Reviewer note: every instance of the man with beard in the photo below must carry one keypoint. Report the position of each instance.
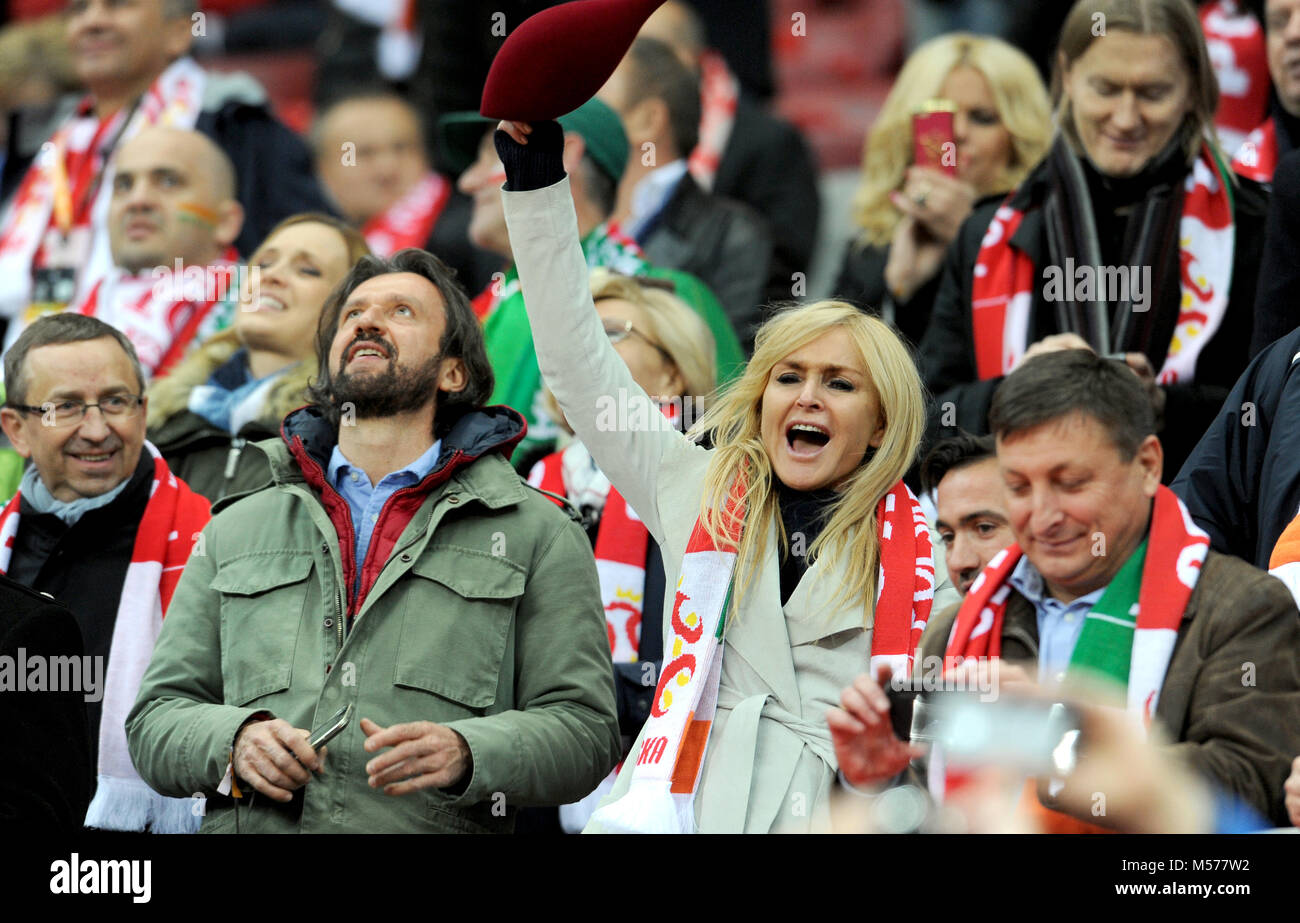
(396, 565)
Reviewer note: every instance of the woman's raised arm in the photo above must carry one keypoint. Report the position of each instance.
(622, 428)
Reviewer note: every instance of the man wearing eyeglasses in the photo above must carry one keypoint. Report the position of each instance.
(101, 525)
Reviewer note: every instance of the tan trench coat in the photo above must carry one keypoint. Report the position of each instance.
(769, 765)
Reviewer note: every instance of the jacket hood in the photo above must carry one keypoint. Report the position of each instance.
(169, 396)
(306, 436)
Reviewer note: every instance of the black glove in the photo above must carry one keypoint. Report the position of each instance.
(537, 164)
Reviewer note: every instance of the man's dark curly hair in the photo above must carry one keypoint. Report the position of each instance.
(462, 339)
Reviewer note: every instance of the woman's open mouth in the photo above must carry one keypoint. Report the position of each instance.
(806, 440)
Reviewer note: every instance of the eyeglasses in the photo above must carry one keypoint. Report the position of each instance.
(69, 412)
(620, 330)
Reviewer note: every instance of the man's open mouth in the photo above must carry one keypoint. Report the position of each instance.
(369, 349)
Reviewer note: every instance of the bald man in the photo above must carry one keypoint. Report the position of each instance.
(172, 221)
(173, 199)
(371, 158)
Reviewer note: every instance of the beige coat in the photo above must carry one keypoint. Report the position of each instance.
(769, 765)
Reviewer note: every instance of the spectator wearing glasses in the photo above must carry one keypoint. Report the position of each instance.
(100, 524)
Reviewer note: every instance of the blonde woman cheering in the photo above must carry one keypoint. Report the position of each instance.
(794, 554)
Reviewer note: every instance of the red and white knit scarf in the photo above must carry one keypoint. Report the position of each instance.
(1176, 549)
(74, 155)
(1257, 157)
(409, 221)
(661, 795)
(719, 92)
(1002, 292)
(161, 326)
(172, 520)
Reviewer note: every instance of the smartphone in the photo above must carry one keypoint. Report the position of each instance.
(331, 728)
(932, 136)
(902, 705)
(1034, 736)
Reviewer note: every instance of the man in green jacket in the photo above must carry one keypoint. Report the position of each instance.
(455, 608)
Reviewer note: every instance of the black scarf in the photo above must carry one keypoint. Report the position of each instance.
(1099, 220)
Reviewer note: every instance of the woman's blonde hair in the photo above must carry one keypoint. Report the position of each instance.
(673, 324)
(1018, 93)
(1175, 20)
(735, 419)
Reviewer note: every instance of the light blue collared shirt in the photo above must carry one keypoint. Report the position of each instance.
(651, 195)
(366, 501)
(1059, 624)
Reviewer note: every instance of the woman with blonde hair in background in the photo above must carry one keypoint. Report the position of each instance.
(237, 386)
(906, 214)
(794, 556)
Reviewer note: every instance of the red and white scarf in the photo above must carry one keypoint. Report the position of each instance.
(661, 794)
(172, 520)
(1176, 549)
(144, 306)
(621, 544)
(73, 158)
(1002, 292)
(1239, 54)
(719, 93)
(1257, 157)
(409, 221)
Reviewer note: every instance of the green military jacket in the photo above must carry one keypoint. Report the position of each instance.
(485, 617)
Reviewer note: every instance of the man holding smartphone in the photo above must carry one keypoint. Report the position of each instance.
(396, 564)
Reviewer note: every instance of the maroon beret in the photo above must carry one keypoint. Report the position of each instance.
(557, 59)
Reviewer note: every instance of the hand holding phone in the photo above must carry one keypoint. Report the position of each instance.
(330, 728)
(933, 143)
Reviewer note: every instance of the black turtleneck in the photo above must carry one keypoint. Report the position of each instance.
(804, 514)
(1114, 197)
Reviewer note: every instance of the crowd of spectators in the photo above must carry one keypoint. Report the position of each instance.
(508, 468)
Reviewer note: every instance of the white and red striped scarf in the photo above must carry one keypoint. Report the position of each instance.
(1257, 157)
(161, 328)
(409, 221)
(621, 544)
(76, 150)
(1176, 549)
(1002, 292)
(719, 92)
(661, 795)
(172, 520)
